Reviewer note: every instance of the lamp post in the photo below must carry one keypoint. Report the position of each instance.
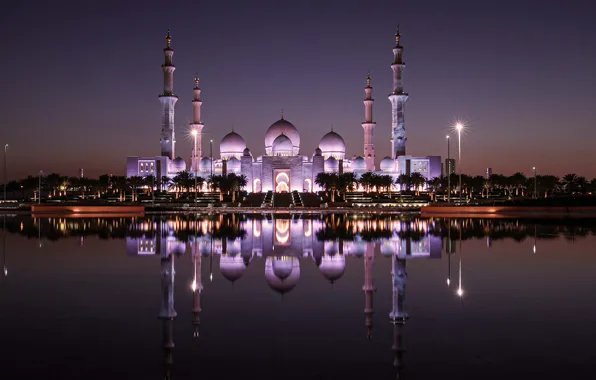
(534, 168)
(448, 171)
(211, 155)
(5, 171)
(194, 164)
(459, 127)
(39, 188)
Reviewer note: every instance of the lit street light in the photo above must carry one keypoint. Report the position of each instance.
(211, 155)
(448, 171)
(5, 171)
(39, 189)
(534, 168)
(459, 127)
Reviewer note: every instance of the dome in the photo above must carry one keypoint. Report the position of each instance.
(232, 267)
(359, 163)
(333, 267)
(282, 146)
(280, 127)
(231, 145)
(387, 164)
(282, 273)
(318, 152)
(175, 246)
(233, 165)
(205, 164)
(247, 152)
(333, 145)
(178, 165)
(331, 165)
(389, 247)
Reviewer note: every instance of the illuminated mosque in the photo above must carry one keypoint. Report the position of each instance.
(283, 168)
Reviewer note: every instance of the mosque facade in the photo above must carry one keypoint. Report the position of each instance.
(283, 168)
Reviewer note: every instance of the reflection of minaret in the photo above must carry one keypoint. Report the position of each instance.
(5, 268)
(167, 312)
(398, 316)
(197, 287)
(369, 287)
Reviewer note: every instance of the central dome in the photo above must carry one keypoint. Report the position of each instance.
(278, 128)
(282, 146)
(232, 145)
(333, 145)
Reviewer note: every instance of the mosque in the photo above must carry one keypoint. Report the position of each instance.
(283, 168)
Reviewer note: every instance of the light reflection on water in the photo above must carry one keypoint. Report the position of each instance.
(357, 256)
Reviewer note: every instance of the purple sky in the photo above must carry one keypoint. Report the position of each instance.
(81, 80)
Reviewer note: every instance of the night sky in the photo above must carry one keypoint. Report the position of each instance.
(81, 79)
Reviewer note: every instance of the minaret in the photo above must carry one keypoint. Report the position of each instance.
(398, 101)
(167, 312)
(168, 101)
(397, 315)
(369, 127)
(197, 126)
(369, 287)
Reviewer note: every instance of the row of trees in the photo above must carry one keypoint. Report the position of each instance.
(57, 185)
(514, 185)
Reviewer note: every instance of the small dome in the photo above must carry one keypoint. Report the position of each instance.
(333, 145)
(278, 128)
(318, 152)
(205, 164)
(333, 267)
(233, 165)
(282, 146)
(178, 165)
(247, 152)
(232, 267)
(387, 164)
(389, 247)
(175, 246)
(359, 163)
(331, 165)
(231, 145)
(282, 273)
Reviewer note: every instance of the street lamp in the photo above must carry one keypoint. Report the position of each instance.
(5, 171)
(448, 171)
(194, 164)
(459, 127)
(211, 155)
(535, 195)
(39, 188)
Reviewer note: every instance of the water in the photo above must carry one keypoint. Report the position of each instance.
(312, 297)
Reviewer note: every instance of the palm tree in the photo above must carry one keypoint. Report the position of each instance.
(569, 182)
(134, 183)
(404, 181)
(434, 184)
(345, 182)
(417, 180)
(581, 184)
(184, 179)
(518, 180)
(53, 182)
(366, 180)
(329, 182)
(164, 183)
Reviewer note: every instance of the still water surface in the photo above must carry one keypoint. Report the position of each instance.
(297, 297)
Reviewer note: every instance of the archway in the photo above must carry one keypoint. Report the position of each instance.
(282, 183)
(256, 187)
(307, 185)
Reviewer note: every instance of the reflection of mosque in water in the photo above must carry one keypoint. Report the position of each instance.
(281, 242)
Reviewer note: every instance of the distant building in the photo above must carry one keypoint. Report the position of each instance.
(489, 172)
(449, 166)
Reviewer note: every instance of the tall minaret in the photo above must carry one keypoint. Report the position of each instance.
(369, 287)
(197, 126)
(167, 313)
(398, 101)
(369, 127)
(168, 101)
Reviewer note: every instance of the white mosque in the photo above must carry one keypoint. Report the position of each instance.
(283, 168)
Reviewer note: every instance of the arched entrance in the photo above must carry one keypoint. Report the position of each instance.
(307, 188)
(257, 185)
(282, 182)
